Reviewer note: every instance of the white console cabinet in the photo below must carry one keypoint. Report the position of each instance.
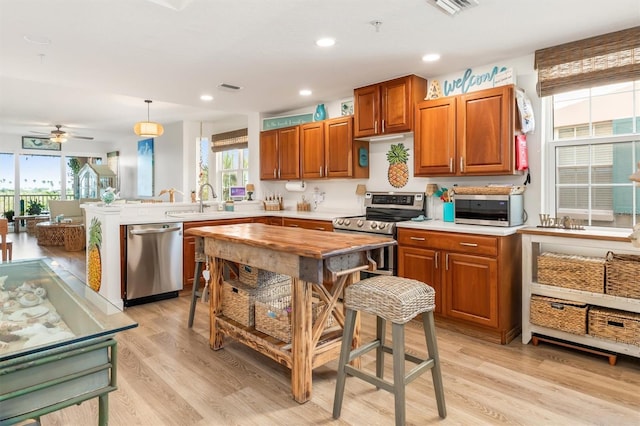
(596, 242)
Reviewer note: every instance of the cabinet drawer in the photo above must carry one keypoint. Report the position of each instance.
(465, 243)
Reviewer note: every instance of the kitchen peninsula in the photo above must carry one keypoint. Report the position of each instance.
(312, 259)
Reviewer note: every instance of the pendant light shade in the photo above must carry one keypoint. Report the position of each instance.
(148, 129)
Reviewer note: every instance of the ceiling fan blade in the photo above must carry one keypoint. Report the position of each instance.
(39, 133)
(89, 138)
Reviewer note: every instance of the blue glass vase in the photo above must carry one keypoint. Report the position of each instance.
(320, 114)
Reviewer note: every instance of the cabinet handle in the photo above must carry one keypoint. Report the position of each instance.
(320, 171)
(437, 259)
(275, 173)
(461, 164)
(293, 226)
(375, 127)
(446, 262)
(382, 126)
(469, 244)
(450, 164)
(279, 173)
(319, 228)
(417, 238)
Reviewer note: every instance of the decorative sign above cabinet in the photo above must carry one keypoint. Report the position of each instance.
(472, 80)
(279, 122)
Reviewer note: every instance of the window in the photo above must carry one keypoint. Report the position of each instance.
(233, 169)
(594, 146)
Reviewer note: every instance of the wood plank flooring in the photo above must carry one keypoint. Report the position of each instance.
(168, 375)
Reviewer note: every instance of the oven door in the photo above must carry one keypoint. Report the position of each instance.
(385, 259)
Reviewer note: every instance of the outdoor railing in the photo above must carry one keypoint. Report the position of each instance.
(6, 201)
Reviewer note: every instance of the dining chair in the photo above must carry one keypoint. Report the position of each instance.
(6, 246)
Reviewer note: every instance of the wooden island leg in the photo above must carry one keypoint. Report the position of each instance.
(301, 340)
(215, 303)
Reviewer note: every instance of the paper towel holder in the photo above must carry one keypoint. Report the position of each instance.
(295, 186)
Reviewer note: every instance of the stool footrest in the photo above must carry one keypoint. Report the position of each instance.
(369, 378)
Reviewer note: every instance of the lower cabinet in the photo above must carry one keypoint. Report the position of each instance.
(476, 279)
(318, 225)
(189, 246)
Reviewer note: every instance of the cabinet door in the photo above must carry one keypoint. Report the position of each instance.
(289, 153)
(435, 138)
(397, 111)
(422, 265)
(269, 155)
(485, 132)
(366, 102)
(338, 147)
(472, 288)
(312, 150)
(318, 225)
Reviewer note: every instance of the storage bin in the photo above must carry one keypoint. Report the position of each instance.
(623, 275)
(273, 317)
(256, 277)
(565, 315)
(571, 271)
(612, 324)
(238, 299)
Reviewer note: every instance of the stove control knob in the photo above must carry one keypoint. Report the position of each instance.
(347, 222)
(340, 221)
(374, 225)
(382, 225)
(360, 223)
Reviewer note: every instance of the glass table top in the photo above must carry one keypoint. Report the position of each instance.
(43, 306)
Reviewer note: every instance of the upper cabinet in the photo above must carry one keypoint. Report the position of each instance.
(280, 154)
(470, 134)
(387, 107)
(322, 149)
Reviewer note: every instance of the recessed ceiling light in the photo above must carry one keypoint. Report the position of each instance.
(305, 92)
(35, 39)
(206, 98)
(326, 42)
(431, 57)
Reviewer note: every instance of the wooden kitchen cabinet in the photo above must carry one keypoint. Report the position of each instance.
(470, 134)
(189, 246)
(387, 107)
(268, 220)
(280, 154)
(318, 225)
(327, 150)
(476, 278)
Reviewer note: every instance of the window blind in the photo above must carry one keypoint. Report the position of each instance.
(598, 60)
(236, 139)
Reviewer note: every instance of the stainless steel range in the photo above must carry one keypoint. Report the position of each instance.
(383, 211)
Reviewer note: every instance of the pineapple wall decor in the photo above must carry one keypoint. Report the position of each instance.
(398, 174)
(94, 268)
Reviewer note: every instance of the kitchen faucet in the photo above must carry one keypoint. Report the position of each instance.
(213, 195)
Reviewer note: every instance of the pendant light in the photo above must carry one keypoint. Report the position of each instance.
(148, 129)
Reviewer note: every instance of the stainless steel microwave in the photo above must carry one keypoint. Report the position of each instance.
(492, 210)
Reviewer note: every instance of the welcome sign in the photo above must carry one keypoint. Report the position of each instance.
(472, 80)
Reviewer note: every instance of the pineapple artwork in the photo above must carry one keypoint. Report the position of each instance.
(398, 174)
(94, 268)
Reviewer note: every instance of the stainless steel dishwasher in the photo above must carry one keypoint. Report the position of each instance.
(154, 262)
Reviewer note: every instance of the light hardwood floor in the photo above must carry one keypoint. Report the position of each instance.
(167, 375)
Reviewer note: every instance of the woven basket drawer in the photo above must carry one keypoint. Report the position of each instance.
(621, 326)
(560, 314)
(571, 271)
(256, 277)
(238, 299)
(273, 317)
(623, 275)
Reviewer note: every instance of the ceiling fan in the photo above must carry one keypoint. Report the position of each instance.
(58, 135)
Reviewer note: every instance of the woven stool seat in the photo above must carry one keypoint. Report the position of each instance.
(395, 299)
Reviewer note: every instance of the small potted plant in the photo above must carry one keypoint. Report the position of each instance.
(34, 207)
(9, 215)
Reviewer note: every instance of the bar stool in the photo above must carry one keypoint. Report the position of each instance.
(397, 300)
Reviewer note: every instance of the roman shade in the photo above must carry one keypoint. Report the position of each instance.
(236, 139)
(594, 61)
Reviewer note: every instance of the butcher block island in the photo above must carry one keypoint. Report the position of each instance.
(320, 265)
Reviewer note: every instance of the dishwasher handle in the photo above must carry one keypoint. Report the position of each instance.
(153, 231)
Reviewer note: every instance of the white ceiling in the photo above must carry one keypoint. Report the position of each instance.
(107, 56)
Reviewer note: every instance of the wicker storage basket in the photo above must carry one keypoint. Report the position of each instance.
(612, 324)
(238, 299)
(488, 190)
(273, 317)
(571, 271)
(623, 275)
(256, 277)
(565, 315)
